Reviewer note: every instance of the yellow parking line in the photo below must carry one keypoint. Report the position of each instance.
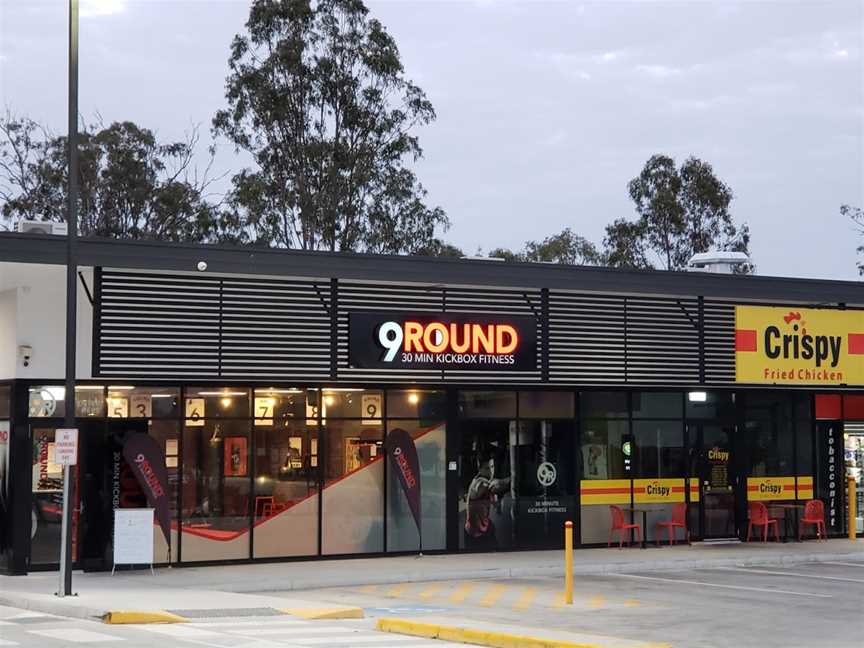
(398, 590)
(368, 589)
(491, 598)
(596, 602)
(632, 602)
(525, 599)
(430, 591)
(461, 593)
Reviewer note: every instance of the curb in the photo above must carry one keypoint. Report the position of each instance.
(477, 637)
(325, 613)
(117, 617)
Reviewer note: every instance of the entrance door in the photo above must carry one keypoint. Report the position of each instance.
(718, 481)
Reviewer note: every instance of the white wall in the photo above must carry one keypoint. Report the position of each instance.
(8, 329)
(40, 321)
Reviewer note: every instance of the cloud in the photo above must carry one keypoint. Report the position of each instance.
(570, 65)
(609, 57)
(95, 8)
(658, 71)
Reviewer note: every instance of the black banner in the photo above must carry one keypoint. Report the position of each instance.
(147, 461)
(463, 341)
(403, 453)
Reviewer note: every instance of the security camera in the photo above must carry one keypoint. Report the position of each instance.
(25, 353)
(202, 266)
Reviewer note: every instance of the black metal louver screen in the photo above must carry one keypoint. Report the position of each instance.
(719, 342)
(413, 298)
(162, 326)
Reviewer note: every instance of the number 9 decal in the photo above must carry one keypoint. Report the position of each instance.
(390, 337)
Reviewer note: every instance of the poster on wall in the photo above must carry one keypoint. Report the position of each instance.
(235, 456)
(195, 412)
(594, 461)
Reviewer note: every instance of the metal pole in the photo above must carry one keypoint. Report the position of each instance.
(568, 562)
(71, 295)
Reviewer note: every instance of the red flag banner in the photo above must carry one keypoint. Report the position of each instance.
(145, 457)
(403, 453)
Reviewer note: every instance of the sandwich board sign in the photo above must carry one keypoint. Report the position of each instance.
(133, 537)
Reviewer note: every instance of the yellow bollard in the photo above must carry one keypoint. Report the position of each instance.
(568, 562)
(853, 515)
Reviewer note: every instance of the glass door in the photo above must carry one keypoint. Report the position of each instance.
(718, 481)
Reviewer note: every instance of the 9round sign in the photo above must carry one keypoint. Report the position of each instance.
(471, 342)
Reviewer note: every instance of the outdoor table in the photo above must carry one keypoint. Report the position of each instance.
(787, 508)
(633, 510)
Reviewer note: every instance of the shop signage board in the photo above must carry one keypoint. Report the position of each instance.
(658, 491)
(133, 536)
(461, 341)
(800, 346)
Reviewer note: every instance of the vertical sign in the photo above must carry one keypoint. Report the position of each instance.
(833, 481)
(66, 446)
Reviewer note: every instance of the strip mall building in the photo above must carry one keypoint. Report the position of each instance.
(534, 394)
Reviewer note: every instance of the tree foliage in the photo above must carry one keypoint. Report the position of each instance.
(131, 185)
(566, 248)
(318, 97)
(856, 215)
(682, 211)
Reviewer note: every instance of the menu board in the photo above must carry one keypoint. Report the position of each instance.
(133, 536)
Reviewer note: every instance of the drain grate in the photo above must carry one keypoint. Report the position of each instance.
(221, 613)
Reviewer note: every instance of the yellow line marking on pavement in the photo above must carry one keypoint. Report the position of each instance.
(632, 602)
(461, 593)
(431, 591)
(559, 600)
(596, 602)
(525, 599)
(398, 590)
(491, 598)
(368, 589)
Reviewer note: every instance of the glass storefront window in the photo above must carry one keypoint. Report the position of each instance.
(430, 439)
(216, 488)
(286, 488)
(215, 402)
(282, 404)
(127, 401)
(604, 404)
(657, 405)
(365, 404)
(487, 404)
(602, 453)
(710, 405)
(353, 498)
(543, 404)
(47, 401)
(659, 449)
(417, 404)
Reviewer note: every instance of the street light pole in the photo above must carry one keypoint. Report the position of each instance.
(71, 296)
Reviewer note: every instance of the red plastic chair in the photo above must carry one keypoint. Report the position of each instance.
(758, 514)
(619, 525)
(679, 519)
(814, 513)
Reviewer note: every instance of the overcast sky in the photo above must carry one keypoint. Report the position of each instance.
(545, 109)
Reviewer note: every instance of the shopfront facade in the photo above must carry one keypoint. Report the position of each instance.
(533, 395)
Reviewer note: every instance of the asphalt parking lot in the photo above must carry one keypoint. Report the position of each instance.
(806, 605)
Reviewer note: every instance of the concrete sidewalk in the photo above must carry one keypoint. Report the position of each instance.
(246, 587)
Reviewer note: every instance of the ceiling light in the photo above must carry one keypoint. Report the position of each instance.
(221, 393)
(413, 398)
(226, 402)
(697, 396)
(120, 387)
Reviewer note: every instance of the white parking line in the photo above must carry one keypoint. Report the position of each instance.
(844, 564)
(798, 574)
(721, 586)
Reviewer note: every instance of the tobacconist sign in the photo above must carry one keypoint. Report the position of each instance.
(464, 341)
(800, 346)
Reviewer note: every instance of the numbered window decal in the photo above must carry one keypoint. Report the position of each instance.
(264, 410)
(370, 409)
(195, 412)
(141, 406)
(118, 407)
